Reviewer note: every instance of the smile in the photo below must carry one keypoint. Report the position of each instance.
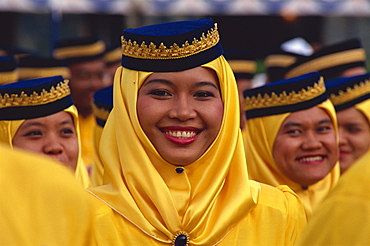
(311, 159)
(181, 134)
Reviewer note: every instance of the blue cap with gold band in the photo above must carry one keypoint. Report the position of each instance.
(171, 47)
(8, 70)
(283, 96)
(28, 99)
(331, 60)
(103, 104)
(33, 66)
(242, 62)
(78, 50)
(347, 91)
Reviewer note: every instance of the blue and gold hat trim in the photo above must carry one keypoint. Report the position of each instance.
(241, 62)
(283, 96)
(113, 56)
(330, 61)
(170, 47)
(102, 104)
(78, 50)
(8, 70)
(348, 91)
(34, 98)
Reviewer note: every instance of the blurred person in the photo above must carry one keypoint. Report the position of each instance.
(38, 115)
(112, 58)
(8, 70)
(342, 59)
(103, 104)
(291, 137)
(351, 99)
(41, 203)
(84, 58)
(174, 166)
(244, 67)
(343, 217)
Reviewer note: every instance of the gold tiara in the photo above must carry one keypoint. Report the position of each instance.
(349, 94)
(151, 51)
(100, 113)
(284, 98)
(14, 100)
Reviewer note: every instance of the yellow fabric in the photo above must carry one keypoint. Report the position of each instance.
(211, 197)
(41, 203)
(97, 168)
(278, 219)
(343, 218)
(260, 136)
(87, 130)
(364, 108)
(8, 129)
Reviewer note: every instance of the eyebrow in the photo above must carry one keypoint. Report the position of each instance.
(296, 124)
(167, 82)
(33, 123)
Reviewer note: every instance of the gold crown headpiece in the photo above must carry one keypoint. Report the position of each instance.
(351, 93)
(152, 51)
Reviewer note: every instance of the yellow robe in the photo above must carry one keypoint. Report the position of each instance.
(343, 218)
(87, 143)
(145, 202)
(259, 139)
(41, 203)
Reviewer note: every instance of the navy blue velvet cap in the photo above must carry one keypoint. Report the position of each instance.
(283, 96)
(242, 62)
(103, 104)
(8, 70)
(34, 98)
(78, 50)
(170, 47)
(347, 91)
(331, 60)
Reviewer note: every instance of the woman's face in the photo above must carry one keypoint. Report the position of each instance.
(181, 113)
(305, 148)
(53, 135)
(354, 136)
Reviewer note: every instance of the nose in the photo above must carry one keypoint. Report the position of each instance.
(342, 136)
(53, 146)
(182, 109)
(311, 141)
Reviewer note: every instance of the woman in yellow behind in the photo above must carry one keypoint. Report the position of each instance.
(174, 165)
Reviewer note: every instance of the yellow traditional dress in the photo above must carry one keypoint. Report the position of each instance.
(41, 203)
(87, 125)
(260, 136)
(8, 129)
(145, 201)
(343, 218)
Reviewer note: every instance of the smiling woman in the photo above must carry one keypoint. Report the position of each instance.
(174, 165)
(38, 115)
(291, 137)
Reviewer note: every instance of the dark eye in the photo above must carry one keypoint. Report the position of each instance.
(67, 131)
(353, 129)
(324, 129)
(33, 133)
(160, 93)
(204, 94)
(293, 132)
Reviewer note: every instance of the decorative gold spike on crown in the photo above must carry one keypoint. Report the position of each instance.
(349, 94)
(100, 113)
(151, 51)
(284, 98)
(14, 100)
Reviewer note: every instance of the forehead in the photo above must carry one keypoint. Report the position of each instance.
(314, 115)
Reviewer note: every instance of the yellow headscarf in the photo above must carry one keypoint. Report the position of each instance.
(8, 129)
(260, 136)
(207, 200)
(364, 108)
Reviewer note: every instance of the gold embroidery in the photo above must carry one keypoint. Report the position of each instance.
(328, 61)
(357, 91)
(8, 77)
(14, 100)
(279, 60)
(151, 51)
(79, 51)
(284, 98)
(100, 113)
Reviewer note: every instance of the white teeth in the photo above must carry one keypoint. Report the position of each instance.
(181, 134)
(314, 158)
